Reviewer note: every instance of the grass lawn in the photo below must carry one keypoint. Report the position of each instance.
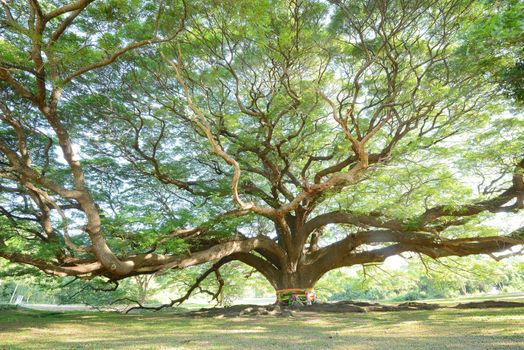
(438, 329)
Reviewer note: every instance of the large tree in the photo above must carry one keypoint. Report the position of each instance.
(294, 136)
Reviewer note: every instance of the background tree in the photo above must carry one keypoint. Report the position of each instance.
(294, 136)
(445, 278)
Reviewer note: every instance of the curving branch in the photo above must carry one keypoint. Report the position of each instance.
(345, 252)
(201, 121)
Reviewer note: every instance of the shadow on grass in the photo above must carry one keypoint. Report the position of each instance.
(441, 329)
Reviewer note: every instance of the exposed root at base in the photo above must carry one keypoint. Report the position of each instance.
(337, 307)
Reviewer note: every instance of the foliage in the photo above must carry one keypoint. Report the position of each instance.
(500, 32)
(295, 137)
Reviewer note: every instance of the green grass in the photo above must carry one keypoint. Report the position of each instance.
(440, 329)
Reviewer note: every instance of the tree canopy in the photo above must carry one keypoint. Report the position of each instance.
(294, 136)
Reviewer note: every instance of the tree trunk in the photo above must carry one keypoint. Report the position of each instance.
(297, 279)
(296, 287)
(295, 276)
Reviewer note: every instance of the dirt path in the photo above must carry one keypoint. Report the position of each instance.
(51, 307)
